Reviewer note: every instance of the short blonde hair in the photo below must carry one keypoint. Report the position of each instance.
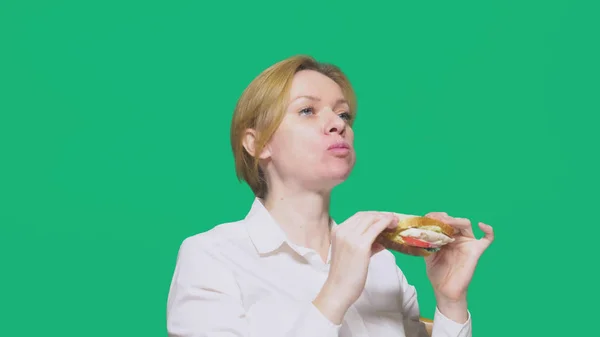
(262, 107)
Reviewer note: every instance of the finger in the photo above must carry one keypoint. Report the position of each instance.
(371, 218)
(376, 248)
(437, 215)
(488, 237)
(463, 225)
(350, 225)
(365, 221)
(379, 226)
(402, 216)
(395, 219)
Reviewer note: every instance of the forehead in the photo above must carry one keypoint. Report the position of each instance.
(313, 83)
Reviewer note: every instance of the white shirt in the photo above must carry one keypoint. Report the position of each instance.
(246, 279)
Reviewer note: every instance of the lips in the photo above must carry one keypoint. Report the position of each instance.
(339, 145)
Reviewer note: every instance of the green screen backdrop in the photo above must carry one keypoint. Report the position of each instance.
(114, 146)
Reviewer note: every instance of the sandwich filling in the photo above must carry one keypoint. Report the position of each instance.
(430, 238)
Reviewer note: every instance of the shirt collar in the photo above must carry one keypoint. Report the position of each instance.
(266, 234)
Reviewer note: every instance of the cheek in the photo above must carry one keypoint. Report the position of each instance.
(297, 141)
(293, 148)
(303, 151)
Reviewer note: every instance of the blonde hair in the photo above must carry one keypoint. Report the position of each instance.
(262, 107)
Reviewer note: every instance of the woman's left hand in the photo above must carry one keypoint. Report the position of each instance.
(451, 269)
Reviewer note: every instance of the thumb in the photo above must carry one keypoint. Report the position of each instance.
(430, 258)
(376, 248)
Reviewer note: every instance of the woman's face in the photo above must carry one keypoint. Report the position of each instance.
(313, 146)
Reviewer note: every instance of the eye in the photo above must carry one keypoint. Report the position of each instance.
(345, 116)
(308, 110)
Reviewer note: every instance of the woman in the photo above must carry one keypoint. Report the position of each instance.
(287, 269)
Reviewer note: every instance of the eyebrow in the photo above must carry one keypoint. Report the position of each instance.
(313, 98)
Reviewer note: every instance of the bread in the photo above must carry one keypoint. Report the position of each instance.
(391, 238)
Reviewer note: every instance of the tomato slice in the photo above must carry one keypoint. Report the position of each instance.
(417, 243)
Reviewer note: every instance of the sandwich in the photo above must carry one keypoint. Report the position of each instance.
(417, 236)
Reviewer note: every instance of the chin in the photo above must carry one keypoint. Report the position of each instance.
(326, 184)
(329, 175)
(337, 174)
(341, 175)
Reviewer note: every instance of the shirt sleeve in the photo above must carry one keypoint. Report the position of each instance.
(442, 326)
(204, 300)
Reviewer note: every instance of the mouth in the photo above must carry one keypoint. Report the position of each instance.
(339, 146)
(340, 149)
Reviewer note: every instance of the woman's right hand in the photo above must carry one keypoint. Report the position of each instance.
(353, 245)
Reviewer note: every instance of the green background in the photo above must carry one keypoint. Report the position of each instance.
(114, 121)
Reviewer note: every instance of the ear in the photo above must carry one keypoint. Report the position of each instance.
(249, 143)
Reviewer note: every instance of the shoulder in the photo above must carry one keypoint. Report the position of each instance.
(221, 236)
(202, 263)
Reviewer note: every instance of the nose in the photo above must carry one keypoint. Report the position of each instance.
(334, 124)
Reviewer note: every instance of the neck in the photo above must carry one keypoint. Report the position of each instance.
(304, 217)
